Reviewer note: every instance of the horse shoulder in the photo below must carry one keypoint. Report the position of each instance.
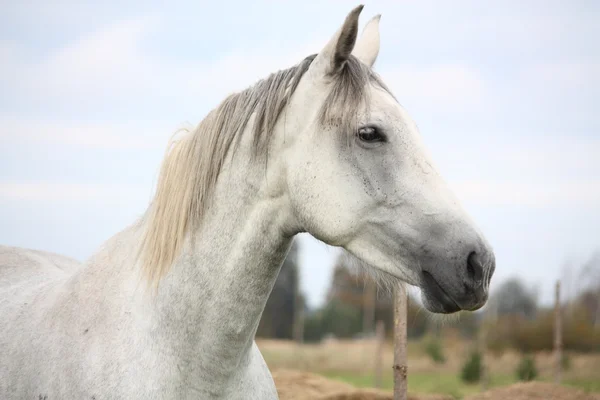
(256, 381)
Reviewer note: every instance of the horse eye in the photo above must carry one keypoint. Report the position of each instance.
(370, 134)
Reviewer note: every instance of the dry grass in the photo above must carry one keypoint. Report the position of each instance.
(535, 391)
(352, 362)
(297, 385)
(357, 356)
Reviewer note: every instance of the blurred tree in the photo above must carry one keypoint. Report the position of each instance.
(340, 319)
(512, 297)
(277, 320)
(354, 294)
(526, 370)
(313, 326)
(346, 287)
(517, 332)
(523, 326)
(590, 301)
(589, 298)
(582, 284)
(352, 289)
(472, 369)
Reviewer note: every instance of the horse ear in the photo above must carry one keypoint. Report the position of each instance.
(337, 51)
(367, 47)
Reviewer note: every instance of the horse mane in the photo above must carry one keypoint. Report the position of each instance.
(192, 164)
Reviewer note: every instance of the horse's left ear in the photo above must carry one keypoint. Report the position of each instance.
(367, 47)
(335, 53)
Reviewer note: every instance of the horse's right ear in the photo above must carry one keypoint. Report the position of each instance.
(333, 56)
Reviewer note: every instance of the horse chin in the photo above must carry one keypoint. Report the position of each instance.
(434, 297)
(436, 306)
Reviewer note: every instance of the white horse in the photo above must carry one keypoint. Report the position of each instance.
(168, 308)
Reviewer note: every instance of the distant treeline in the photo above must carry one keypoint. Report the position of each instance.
(280, 311)
(513, 314)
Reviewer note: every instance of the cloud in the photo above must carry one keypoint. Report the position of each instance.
(539, 171)
(576, 194)
(109, 194)
(519, 157)
(84, 134)
(573, 82)
(557, 157)
(7, 51)
(10, 62)
(443, 87)
(114, 64)
(107, 59)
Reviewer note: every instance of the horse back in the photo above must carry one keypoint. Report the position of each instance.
(26, 278)
(19, 266)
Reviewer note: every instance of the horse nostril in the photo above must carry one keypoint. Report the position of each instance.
(474, 269)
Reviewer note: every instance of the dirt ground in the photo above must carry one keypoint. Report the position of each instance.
(535, 391)
(298, 385)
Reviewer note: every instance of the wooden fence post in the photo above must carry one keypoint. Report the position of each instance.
(482, 339)
(557, 334)
(400, 343)
(380, 335)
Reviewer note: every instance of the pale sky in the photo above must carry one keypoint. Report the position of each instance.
(505, 94)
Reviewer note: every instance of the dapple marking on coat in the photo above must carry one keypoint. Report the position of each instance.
(168, 308)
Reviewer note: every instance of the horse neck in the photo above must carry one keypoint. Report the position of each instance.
(209, 305)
